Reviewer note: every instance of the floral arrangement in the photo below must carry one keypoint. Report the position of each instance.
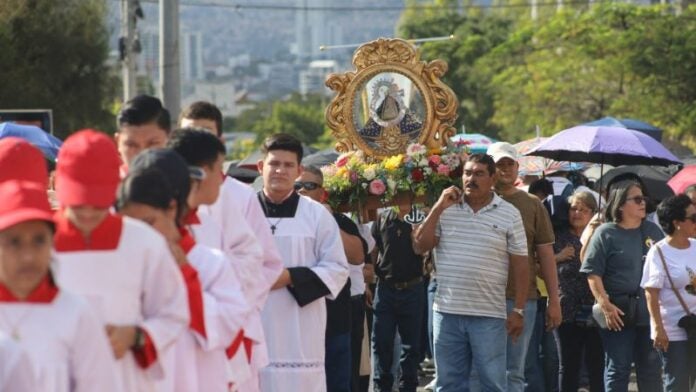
(420, 172)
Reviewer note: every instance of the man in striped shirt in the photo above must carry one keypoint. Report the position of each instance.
(477, 238)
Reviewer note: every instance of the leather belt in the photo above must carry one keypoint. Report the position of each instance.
(403, 285)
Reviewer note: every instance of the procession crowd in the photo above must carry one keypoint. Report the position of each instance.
(148, 269)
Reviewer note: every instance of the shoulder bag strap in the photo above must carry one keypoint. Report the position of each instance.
(671, 283)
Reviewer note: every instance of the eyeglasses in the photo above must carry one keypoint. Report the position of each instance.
(308, 185)
(580, 210)
(638, 199)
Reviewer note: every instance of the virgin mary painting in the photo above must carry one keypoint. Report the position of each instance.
(388, 110)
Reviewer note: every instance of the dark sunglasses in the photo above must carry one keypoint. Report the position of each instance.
(308, 185)
(638, 199)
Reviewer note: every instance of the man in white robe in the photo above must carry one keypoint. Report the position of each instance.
(294, 317)
(236, 225)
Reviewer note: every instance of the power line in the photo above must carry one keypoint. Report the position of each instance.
(281, 7)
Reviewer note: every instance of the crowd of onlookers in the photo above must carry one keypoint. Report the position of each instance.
(155, 272)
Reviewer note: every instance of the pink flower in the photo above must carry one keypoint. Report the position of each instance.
(342, 160)
(353, 177)
(377, 187)
(443, 169)
(434, 160)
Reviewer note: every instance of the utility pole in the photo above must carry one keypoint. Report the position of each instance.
(126, 46)
(170, 87)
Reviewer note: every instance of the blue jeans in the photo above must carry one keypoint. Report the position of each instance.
(403, 310)
(432, 288)
(517, 352)
(680, 372)
(542, 365)
(630, 345)
(338, 363)
(462, 341)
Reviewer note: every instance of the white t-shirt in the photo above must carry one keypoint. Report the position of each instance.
(681, 265)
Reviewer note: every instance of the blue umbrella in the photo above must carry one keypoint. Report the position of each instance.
(636, 125)
(47, 143)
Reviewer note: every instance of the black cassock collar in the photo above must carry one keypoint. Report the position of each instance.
(286, 209)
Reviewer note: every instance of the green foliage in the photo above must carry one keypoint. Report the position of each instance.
(568, 67)
(475, 35)
(614, 59)
(296, 116)
(54, 56)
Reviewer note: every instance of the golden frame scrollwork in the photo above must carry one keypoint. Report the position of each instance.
(377, 64)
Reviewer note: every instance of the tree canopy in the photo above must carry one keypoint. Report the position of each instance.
(54, 55)
(568, 67)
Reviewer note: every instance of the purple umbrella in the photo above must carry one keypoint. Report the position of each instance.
(612, 145)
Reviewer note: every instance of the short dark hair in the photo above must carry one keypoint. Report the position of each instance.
(146, 186)
(690, 189)
(144, 109)
(285, 142)
(671, 209)
(617, 198)
(169, 165)
(541, 185)
(196, 146)
(484, 159)
(203, 110)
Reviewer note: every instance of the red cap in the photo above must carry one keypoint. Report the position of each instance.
(19, 160)
(87, 170)
(23, 201)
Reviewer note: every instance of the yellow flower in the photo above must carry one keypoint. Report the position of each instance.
(342, 172)
(393, 163)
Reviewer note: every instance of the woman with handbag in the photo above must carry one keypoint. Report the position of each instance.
(669, 281)
(577, 332)
(614, 268)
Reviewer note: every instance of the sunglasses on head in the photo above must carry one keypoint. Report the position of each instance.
(638, 199)
(308, 185)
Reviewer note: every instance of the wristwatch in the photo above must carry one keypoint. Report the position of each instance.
(139, 342)
(519, 311)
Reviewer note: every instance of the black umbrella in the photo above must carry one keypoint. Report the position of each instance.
(654, 178)
(321, 158)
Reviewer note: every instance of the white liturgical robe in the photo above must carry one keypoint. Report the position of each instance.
(16, 373)
(128, 275)
(66, 343)
(311, 243)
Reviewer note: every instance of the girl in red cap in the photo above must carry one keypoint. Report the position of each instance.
(121, 266)
(156, 191)
(62, 336)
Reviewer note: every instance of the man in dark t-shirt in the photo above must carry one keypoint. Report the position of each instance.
(398, 302)
(338, 312)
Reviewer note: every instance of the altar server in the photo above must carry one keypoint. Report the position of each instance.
(121, 266)
(156, 191)
(246, 239)
(294, 318)
(66, 343)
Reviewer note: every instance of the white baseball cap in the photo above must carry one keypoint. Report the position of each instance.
(500, 150)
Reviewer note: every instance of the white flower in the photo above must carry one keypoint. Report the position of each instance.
(369, 173)
(391, 184)
(414, 149)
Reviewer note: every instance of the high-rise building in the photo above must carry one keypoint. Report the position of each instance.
(192, 56)
(313, 28)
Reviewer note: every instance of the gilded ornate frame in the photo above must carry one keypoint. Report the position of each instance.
(393, 56)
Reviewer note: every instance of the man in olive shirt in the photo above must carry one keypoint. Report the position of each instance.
(540, 238)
